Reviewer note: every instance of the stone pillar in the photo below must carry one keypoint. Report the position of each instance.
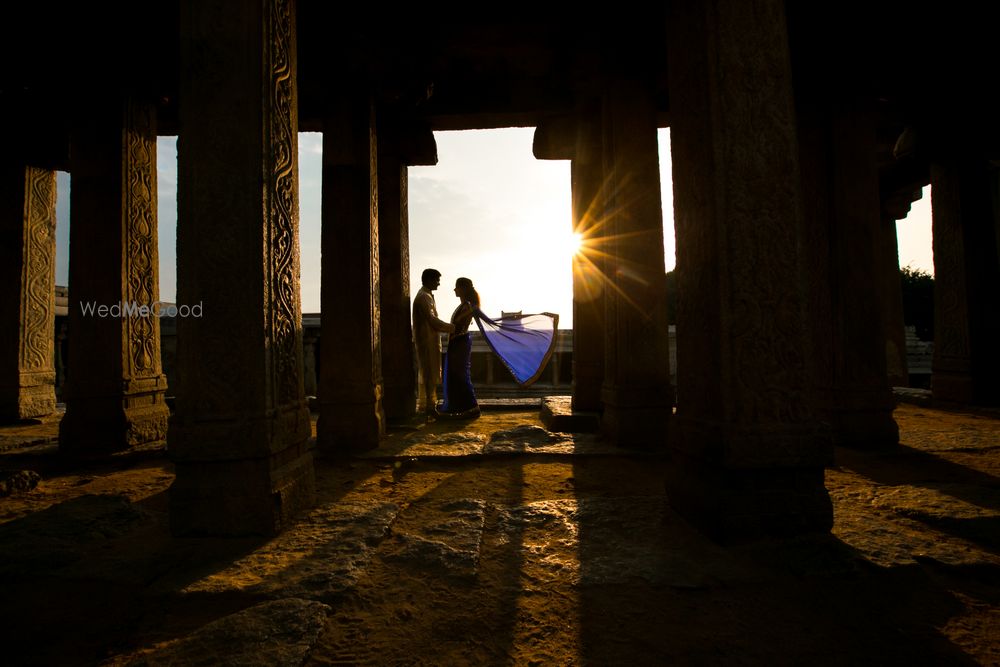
(749, 454)
(636, 393)
(966, 278)
(894, 327)
(27, 291)
(399, 373)
(845, 281)
(589, 279)
(115, 387)
(239, 437)
(350, 383)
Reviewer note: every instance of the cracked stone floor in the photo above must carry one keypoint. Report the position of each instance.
(496, 542)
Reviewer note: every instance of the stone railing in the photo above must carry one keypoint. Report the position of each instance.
(919, 359)
(488, 374)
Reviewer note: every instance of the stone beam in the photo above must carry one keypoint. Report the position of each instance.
(239, 437)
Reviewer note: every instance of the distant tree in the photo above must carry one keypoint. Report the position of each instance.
(918, 301)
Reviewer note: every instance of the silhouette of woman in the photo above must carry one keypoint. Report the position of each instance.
(459, 395)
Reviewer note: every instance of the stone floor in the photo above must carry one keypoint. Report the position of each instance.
(497, 542)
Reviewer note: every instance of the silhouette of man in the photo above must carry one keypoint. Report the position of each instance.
(426, 327)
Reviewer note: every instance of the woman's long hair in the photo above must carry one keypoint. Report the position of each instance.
(471, 295)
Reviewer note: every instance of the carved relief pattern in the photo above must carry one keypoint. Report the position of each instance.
(404, 233)
(142, 348)
(765, 327)
(281, 201)
(39, 270)
(375, 285)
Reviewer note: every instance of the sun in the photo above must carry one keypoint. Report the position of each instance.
(574, 244)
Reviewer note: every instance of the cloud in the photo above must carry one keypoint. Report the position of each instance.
(311, 142)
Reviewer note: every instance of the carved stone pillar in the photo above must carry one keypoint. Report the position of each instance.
(350, 383)
(399, 373)
(750, 454)
(636, 393)
(589, 279)
(966, 276)
(115, 388)
(843, 243)
(27, 291)
(239, 437)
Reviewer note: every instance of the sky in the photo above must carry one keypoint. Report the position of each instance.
(913, 234)
(488, 211)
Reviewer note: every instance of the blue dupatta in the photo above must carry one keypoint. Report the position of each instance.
(523, 343)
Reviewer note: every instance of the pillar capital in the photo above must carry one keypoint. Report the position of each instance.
(555, 138)
(417, 146)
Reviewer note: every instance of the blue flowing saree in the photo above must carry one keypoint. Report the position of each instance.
(459, 395)
(524, 343)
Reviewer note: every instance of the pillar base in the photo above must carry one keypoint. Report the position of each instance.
(558, 414)
(864, 429)
(258, 496)
(241, 476)
(107, 425)
(742, 484)
(733, 505)
(399, 402)
(636, 418)
(35, 397)
(953, 387)
(345, 427)
(862, 419)
(587, 380)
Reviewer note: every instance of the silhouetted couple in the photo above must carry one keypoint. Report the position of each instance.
(459, 395)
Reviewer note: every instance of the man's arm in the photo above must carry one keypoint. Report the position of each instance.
(422, 307)
(440, 325)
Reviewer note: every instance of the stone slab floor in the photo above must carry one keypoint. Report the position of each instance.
(495, 542)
